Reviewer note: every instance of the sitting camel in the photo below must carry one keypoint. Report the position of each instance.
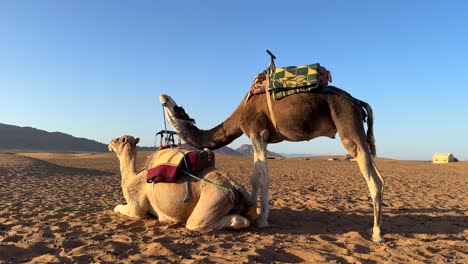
(208, 208)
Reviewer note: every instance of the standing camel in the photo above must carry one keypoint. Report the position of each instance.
(297, 117)
(208, 208)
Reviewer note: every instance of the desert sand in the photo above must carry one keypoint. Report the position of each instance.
(57, 208)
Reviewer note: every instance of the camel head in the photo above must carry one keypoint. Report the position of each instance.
(176, 115)
(124, 145)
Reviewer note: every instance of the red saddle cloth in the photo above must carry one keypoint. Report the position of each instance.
(165, 165)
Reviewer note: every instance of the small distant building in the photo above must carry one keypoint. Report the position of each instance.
(443, 158)
(349, 158)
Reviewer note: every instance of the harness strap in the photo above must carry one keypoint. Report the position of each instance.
(188, 191)
(327, 89)
(270, 106)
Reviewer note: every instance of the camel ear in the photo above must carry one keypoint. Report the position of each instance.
(137, 140)
(124, 139)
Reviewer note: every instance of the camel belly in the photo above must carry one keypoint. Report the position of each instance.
(304, 116)
(305, 127)
(166, 199)
(303, 136)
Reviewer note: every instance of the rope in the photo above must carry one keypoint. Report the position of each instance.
(329, 90)
(207, 181)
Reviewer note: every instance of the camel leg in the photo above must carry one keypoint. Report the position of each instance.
(360, 151)
(212, 212)
(260, 177)
(254, 179)
(126, 209)
(233, 221)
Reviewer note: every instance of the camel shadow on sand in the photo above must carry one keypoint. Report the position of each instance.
(286, 224)
(405, 222)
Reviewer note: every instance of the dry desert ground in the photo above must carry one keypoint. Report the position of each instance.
(57, 208)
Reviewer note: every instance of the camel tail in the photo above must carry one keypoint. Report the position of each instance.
(370, 127)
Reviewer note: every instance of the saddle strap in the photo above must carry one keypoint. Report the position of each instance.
(270, 107)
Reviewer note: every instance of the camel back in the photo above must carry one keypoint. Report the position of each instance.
(165, 164)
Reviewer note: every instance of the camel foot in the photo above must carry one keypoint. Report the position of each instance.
(261, 223)
(378, 239)
(376, 235)
(119, 208)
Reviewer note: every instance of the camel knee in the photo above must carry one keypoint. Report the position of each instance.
(198, 226)
(375, 186)
(122, 209)
(350, 146)
(234, 221)
(118, 208)
(264, 135)
(125, 209)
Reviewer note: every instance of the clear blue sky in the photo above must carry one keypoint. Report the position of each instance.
(95, 69)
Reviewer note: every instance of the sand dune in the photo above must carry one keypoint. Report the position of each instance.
(58, 208)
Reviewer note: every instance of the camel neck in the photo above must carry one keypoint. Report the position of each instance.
(127, 166)
(216, 137)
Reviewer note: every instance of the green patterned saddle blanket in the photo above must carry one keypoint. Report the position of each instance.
(294, 79)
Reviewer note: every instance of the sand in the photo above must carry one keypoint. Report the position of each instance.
(57, 208)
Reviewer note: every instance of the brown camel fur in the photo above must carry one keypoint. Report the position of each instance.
(299, 117)
(209, 207)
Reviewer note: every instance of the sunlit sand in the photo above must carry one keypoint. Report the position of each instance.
(59, 208)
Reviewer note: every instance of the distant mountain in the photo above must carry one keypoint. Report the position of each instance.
(229, 151)
(222, 150)
(247, 150)
(15, 138)
(146, 148)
